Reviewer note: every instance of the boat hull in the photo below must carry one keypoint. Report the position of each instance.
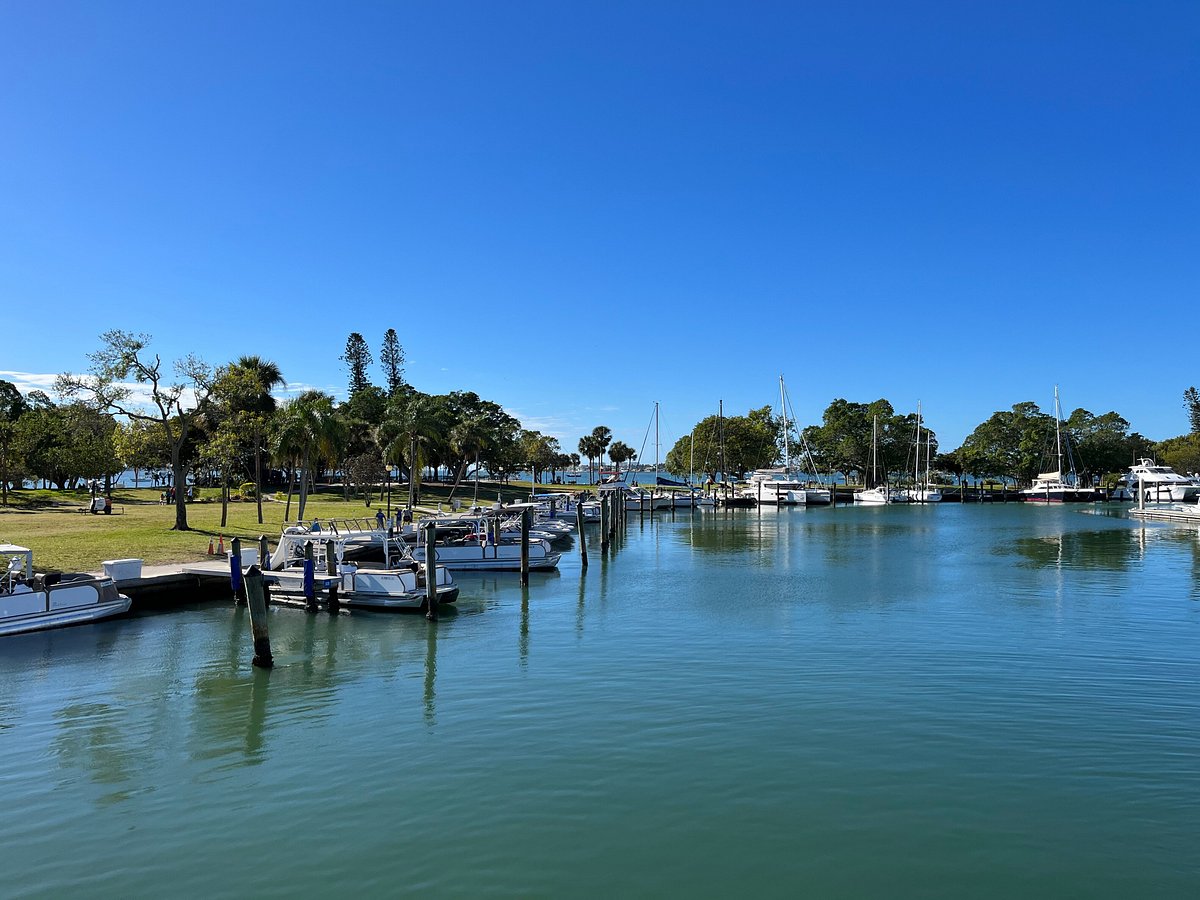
(62, 618)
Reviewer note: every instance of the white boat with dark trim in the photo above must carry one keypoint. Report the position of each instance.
(1057, 487)
(33, 602)
(398, 584)
(1158, 484)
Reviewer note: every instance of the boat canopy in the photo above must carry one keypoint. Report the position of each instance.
(669, 482)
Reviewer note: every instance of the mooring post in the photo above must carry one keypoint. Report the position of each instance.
(310, 588)
(235, 572)
(257, 602)
(604, 514)
(331, 569)
(582, 536)
(264, 553)
(526, 516)
(431, 601)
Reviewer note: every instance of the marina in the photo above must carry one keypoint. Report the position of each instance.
(831, 678)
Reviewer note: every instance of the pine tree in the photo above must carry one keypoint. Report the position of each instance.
(1191, 400)
(357, 357)
(391, 357)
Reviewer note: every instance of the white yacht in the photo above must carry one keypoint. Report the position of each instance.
(1158, 484)
(32, 602)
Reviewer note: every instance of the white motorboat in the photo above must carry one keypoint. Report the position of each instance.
(881, 494)
(1158, 484)
(398, 584)
(775, 487)
(476, 547)
(33, 602)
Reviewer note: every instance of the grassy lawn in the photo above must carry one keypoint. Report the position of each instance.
(50, 524)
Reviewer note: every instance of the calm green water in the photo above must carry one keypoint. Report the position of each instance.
(953, 701)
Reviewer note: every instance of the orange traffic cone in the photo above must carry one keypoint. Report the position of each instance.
(220, 545)
(210, 547)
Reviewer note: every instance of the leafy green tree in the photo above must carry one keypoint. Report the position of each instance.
(750, 442)
(224, 453)
(357, 357)
(63, 444)
(1104, 443)
(1180, 453)
(391, 358)
(843, 440)
(538, 451)
(1011, 443)
(141, 445)
(122, 356)
(12, 405)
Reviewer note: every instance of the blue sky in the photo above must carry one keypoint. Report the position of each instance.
(576, 210)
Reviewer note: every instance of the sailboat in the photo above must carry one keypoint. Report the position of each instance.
(922, 492)
(641, 500)
(1055, 487)
(881, 493)
(777, 486)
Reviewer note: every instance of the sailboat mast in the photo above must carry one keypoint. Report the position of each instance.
(787, 462)
(656, 444)
(1057, 431)
(917, 467)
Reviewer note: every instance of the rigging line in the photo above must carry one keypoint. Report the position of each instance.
(787, 397)
(642, 452)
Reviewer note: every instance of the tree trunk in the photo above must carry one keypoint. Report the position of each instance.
(461, 471)
(412, 472)
(181, 522)
(303, 487)
(287, 513)
(224, 501)
(258, 472)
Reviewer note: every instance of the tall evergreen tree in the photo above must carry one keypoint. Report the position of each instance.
(1191, 400)
(391, 357)
(357, 357)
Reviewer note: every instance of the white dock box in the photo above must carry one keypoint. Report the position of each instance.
(123, 569)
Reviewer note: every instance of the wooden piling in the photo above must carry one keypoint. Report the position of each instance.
(257, 602)
(264, 553)
(235, 572)
(582, 537)
(431, 601)
(526, 515)
(604, 514)
(331, 569)
(310, 587)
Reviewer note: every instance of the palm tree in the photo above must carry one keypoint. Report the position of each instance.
(307, 433)
(587, 447)
(265, 376)
(414, 424)
(468, 439)
(620, 452)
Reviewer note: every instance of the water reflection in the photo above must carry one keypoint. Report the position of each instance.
(99, 739)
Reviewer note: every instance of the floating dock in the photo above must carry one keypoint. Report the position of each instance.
(1189, 514)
